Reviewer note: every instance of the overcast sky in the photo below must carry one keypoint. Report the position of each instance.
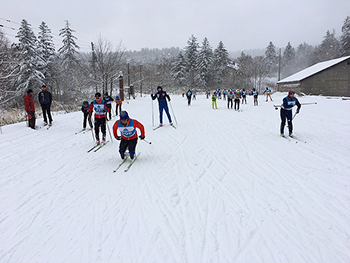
(240, 25)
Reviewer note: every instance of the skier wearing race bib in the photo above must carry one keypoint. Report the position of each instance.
(268, 94)
(162, 96)
(128, 134)
(286, 112)
(100, 108)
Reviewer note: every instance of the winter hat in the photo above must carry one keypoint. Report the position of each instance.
(43, 86)
(291, 92)
(29, 91)
(124, 115)
(106, 93)
(98, 94)
(159, 88)
(85, 102)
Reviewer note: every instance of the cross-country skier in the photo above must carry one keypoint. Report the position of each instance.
(108, 99)
(237, 99)
(189, 97)
(162, 96)
(87, 115)
(255, 95)
(213, 100)
(268, 94)
(286, 112)
(118, 105)
(30, 108)
(128, 134)
(230, 96)
(100, 108)
(244, 96)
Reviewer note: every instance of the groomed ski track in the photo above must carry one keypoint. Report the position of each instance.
(222, 187)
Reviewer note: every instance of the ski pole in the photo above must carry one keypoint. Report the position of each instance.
(110, 135)
(173, 112)
(146, 141)
(152, 114)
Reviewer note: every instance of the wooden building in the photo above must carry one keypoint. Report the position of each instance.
(329, 78)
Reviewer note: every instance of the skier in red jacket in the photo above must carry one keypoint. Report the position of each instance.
(127, 129)
(30, 108)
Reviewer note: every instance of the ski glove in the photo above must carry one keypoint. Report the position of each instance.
(142, 137)
(118, 138)
(297, 111)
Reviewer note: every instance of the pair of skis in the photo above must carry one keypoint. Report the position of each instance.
(124, 161)
(160, 126)
(291, 138)
(97, 147)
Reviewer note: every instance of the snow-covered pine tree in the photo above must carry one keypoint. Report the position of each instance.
(329, 49)
(69, 59)
(271, 57)
(46, 50)
(8, 71)
(304, 56)
(191, 55)
(205, 64)
(345, 37)
(288, 60)
(29, 75)
(179, 69)
(220, 63)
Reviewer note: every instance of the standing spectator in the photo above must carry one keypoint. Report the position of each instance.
(189, 97)
(87, 115)
(286, 112)
(213, 101)
(230, 96)
(194, 95)
(127, 129)
(30, 108)
(162, 96)
(100, 108)
(108, 99)
(244, 96)
(255, 95)
(119, 104)
(45, 100)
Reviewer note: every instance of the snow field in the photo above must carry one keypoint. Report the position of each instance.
(222, 187)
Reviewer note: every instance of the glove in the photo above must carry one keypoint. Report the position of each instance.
(142, 137)
(118, 138)
(297, 111)
(152, 95)
(30, 116)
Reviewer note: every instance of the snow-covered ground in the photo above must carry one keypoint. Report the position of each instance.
(222, 187)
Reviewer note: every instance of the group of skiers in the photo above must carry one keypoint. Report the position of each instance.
(125, 129)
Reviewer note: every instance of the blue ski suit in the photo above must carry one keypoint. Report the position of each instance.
(163, 105)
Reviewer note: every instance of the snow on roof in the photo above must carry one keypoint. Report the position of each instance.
(313, 70)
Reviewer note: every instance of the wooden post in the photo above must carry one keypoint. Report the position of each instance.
(121, 87)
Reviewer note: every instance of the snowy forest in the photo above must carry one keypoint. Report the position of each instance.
(73, 76)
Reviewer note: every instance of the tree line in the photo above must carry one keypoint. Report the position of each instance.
(74, 76)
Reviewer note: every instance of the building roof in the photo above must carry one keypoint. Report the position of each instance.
(312, 70)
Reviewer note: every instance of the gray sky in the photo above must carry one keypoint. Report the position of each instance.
(240, 25)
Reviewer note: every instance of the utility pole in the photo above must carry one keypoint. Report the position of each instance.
(121, 86)
(129, 79)
(141, 81)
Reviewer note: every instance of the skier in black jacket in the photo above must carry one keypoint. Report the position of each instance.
(45, 100)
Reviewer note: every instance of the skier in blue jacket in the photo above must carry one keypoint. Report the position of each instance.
(286, 112)
(162, 96)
